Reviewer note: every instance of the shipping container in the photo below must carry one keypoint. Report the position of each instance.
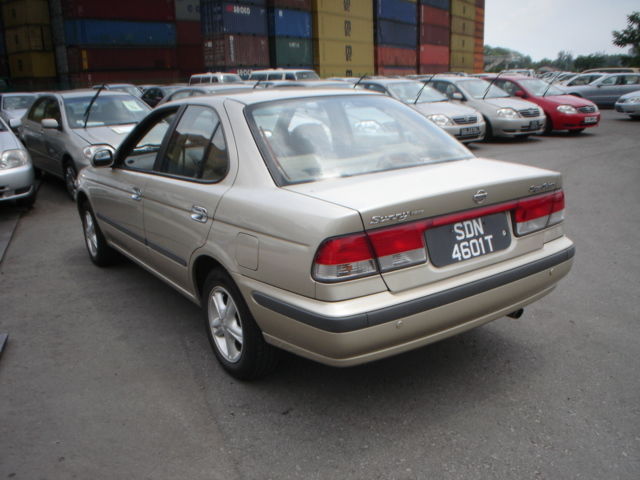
(228, 17)
(236, 50)
(479, 15)
(350, 8)
(113, 32)
(190, 59)
(334, 52)
(441, 4)
(462, 26)
(295, 4)
(465, 43)
(391, 71)
(25, 12)
(289, 23)
(329, 26)
(142, 10)
(397, 10)
(291, 52)
(479, 45)
(464, 9)
(480, 3)
(137, 58)
(395, 56)
(434, 16)
(87, 79)
(28, 38)
(427, 69)
(434, 34)
(32, 64)
(188, 33)
(187, 10)
(462, 61)
(434, 55)
(396, 34)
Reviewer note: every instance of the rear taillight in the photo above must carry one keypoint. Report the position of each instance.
(536, 213)
(344, 258)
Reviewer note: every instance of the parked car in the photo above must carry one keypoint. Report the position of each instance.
(203, 90)
(340, 225)
(154, 94)
(303, 84)
(607, 89)
(460, 121)
(16, 170)
(214, 77)
(15, 105)
(581, 79)
(61, 130)
(283, 74)
(629, 104)
(504, 116)
(121, 87)
(563, 112)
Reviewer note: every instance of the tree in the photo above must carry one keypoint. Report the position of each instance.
(630, 36)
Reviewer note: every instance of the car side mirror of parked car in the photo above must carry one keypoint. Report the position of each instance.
(102, 158)
(520, 93)
(15, 123)
(50, 123)
(457, 96)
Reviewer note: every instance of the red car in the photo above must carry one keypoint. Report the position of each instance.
(564, 112)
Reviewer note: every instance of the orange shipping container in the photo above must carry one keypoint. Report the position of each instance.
(434, 16)
(396, 70)
(394, 56)
(433, 68)
(434, 55)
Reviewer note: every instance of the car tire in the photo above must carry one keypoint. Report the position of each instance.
(70, 175)
(27, 202)
(100, 253)
(234, 336)
(488, 132)
(548, 127)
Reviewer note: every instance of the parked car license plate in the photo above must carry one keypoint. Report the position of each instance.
(461, 241)
(534, 124)
(466, 131)
(590, 119)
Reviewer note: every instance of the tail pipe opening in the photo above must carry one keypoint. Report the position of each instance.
(516, 314)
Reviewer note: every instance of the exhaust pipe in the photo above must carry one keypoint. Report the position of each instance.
(516, 314)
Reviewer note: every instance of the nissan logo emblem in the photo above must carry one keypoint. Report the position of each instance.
(480, 196)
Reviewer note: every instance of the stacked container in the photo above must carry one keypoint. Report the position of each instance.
(28, 44)
(396, 37)
(290, 33)
(463, 23)
(435, 36)
(343, 37)
(4, 66)
(235, 35)
(189, 39)
(478, 51)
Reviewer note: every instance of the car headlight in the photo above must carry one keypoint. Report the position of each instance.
(90, 151)
(507, 113)
(440, 120)
(13, 158)
(566, 109)
(632, 100)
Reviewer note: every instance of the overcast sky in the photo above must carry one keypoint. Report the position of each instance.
(542, 28)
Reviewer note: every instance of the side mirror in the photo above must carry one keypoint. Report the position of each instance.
(102, 158)
(50, 123)
(457, 96)
(520, 93)
(15, 123)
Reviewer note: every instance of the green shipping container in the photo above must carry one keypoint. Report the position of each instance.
(291, 52)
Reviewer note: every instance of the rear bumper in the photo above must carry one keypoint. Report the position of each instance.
(347, 333)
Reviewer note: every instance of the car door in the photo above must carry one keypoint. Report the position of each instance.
(605, 91)
(181, 200)
(118, 197)
(33, 133)
(54, 138)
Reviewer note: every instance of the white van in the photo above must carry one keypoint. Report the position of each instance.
(217, 77)
(283, 74)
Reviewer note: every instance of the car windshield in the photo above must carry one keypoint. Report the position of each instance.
(540, 87)
(311, 139)
(106, 110)
(478, 87)
(408, 91)
(17, 102)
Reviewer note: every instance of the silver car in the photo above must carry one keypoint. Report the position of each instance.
(15, 105)
(62, 130)
(606, 90)
(460, 121)
(629, 104)
(339, 225)
(504, 116)
(16, 170)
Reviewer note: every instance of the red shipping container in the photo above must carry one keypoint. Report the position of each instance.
(395, 56)
(188, 33)
(190, 58)
(434, 16)
(236, 50)
(435, 34)
(382, 70)
(295, 4)
(145, 10)
(86, 79)
(138, 58)
(426, 69)
(434, 55)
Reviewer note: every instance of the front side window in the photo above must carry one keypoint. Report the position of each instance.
(36, 113)
(145, 151)
(609, 81)
(52, 110)
(311, 139)
(105, 110)
(630, 80)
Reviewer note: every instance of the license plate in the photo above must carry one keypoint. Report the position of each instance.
(468, 239)
(534, 125)
(590, 119)
(470, 131)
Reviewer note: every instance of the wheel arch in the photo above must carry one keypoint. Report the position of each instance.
(202, 265)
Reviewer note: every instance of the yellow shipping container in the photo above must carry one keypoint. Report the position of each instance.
(335, 52)
(464, 43)
(25, 12)
(326, 71)
(462, 61)
(352, 8)
(464, 9)
(32, 64)
(28, 38)
(462, 26)
(328, 26)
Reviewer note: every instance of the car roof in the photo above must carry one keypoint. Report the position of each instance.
(390, 80)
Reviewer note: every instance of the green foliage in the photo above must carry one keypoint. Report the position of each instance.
(629, 37)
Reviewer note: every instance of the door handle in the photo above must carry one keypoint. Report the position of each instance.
(136, 194)
(199, 214)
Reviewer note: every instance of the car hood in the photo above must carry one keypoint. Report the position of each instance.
(444, 108)
(110, 135)
(567, 100)
(507, 102)
(8, 141)
(630, 95)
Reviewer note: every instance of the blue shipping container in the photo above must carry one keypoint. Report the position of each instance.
(230, 17)
(442, 4)
(114, 32)
(398, 10)
(396, 34)
(289, 23)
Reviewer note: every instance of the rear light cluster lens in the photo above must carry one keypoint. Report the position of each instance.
(378, 251)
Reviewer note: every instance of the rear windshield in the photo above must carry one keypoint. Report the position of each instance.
(477, 88)
(106, 110)
(17, 102)
(310, 139)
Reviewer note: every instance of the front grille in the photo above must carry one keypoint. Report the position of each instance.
(529, 112)
(587, 109)
(466, 120)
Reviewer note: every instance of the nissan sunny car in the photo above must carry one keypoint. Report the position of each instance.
(342, 226)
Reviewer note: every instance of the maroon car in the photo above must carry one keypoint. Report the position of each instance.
(564, 112)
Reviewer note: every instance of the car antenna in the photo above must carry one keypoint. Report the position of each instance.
(550, 83)
(257, 83)
(359, 80)
(491, 84)
(424, 84)
(88, 110)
